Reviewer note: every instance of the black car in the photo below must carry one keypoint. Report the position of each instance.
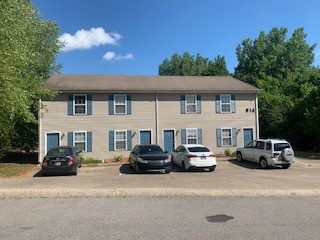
(149, 157)
(61, 160)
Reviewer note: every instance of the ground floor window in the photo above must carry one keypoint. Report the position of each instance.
(120, 140)
(80, 140)
(192, 136)
(226, 136)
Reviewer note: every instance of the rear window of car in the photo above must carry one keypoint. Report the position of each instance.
(281, 146)
(60, 151)
(150, 149)
(198, 149)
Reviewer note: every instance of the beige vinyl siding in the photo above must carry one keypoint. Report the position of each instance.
(143, 108)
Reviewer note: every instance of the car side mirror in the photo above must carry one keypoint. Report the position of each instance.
(165, 151)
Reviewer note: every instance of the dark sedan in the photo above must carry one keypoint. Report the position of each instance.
(61, 160)
(149, 157)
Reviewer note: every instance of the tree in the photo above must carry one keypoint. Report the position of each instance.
(28, 49)
(280, 67)
(188, 65)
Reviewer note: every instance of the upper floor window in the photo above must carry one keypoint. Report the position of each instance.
(191, 103)
(80, 104)
(192, 136)
(120, 104)
(225, 103)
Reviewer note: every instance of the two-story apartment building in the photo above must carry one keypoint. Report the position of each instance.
(106, 115)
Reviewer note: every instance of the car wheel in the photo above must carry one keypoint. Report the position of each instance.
(167, 171)
(286, 166)
(239, 157)
(183, 166)
(263, 163)
(211, 169)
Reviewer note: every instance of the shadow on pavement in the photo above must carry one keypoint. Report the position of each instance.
(19, 157)
(251, 165)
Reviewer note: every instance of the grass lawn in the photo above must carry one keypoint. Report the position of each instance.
(8, 170)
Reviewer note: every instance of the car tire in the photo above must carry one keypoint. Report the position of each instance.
(130, 166)
(239, 157)
(285, 166)
(167, 171)
(183, 166)
(211, 169)
(263, 163)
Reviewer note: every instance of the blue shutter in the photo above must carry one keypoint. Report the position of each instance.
(234, 137)
(89, 105)
(89, 141)
(218, 110)
(70, 138)
(111, 140)
(111, 105)
(199, 136)
(198, 104)
(219, 140)
(70, 104)
(233, 103)
(183, 136)
(129, 104)
(183, 104)
(129, 140)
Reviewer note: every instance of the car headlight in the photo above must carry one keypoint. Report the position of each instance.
(166, 160)
(140, 160)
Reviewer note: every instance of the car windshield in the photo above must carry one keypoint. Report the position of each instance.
(60, 151)
(281, 146)
(150, 149)
(198, 149)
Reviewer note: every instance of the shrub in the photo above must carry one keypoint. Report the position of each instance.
(118, 157)
(227, 152)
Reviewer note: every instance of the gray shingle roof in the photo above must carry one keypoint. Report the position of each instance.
(122, 83)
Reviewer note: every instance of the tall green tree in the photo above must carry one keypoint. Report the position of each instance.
(279, 66)
(189, 65)
(28, 49)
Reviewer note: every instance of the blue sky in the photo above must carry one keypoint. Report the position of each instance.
(133, 37)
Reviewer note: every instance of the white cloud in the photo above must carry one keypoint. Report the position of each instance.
(113, 56)
(84, 39)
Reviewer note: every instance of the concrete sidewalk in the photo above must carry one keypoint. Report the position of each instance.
(229, 179)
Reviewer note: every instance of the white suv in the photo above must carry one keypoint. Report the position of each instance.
(267, 152)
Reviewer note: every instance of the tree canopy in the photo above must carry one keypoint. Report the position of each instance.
(189, 65)
(282, 68)
(28, 49)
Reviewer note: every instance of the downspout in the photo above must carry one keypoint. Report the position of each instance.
(39, 132)
(257, 118)
(157, 117)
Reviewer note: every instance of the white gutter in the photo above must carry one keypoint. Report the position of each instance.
(39, 132)
(157, 118)
(257, 118)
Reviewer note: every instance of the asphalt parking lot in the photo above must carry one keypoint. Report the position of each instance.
(230, 177)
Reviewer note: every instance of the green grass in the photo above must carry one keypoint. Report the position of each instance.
(311, 155)
(8, 170)
(91, 162)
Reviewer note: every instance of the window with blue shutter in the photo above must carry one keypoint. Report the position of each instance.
(129, 140)
(129, 104)
(234, 137)
(70, 105)
(89, 141)
(70, 138)
(218, 110)
(111, 140)
(111, 105)
(89, 105)
(199, 132)
(183, 136)
(198, 104)
(183, 104)
(219, 139)
(233, 103)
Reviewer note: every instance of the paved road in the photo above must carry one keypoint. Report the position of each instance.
(229, 179)
(161, 218)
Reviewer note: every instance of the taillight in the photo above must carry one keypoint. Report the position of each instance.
(71, 161)
(212, 155)
(275, 155)
(44, 162)
(191, 156)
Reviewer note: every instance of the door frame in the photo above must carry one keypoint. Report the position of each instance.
(45, 140)
(151, 134)
(174, 136)
(253, 136)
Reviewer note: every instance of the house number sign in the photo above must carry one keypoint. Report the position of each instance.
(249, 110)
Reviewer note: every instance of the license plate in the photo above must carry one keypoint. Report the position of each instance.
(203, 157)
(57, 163)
